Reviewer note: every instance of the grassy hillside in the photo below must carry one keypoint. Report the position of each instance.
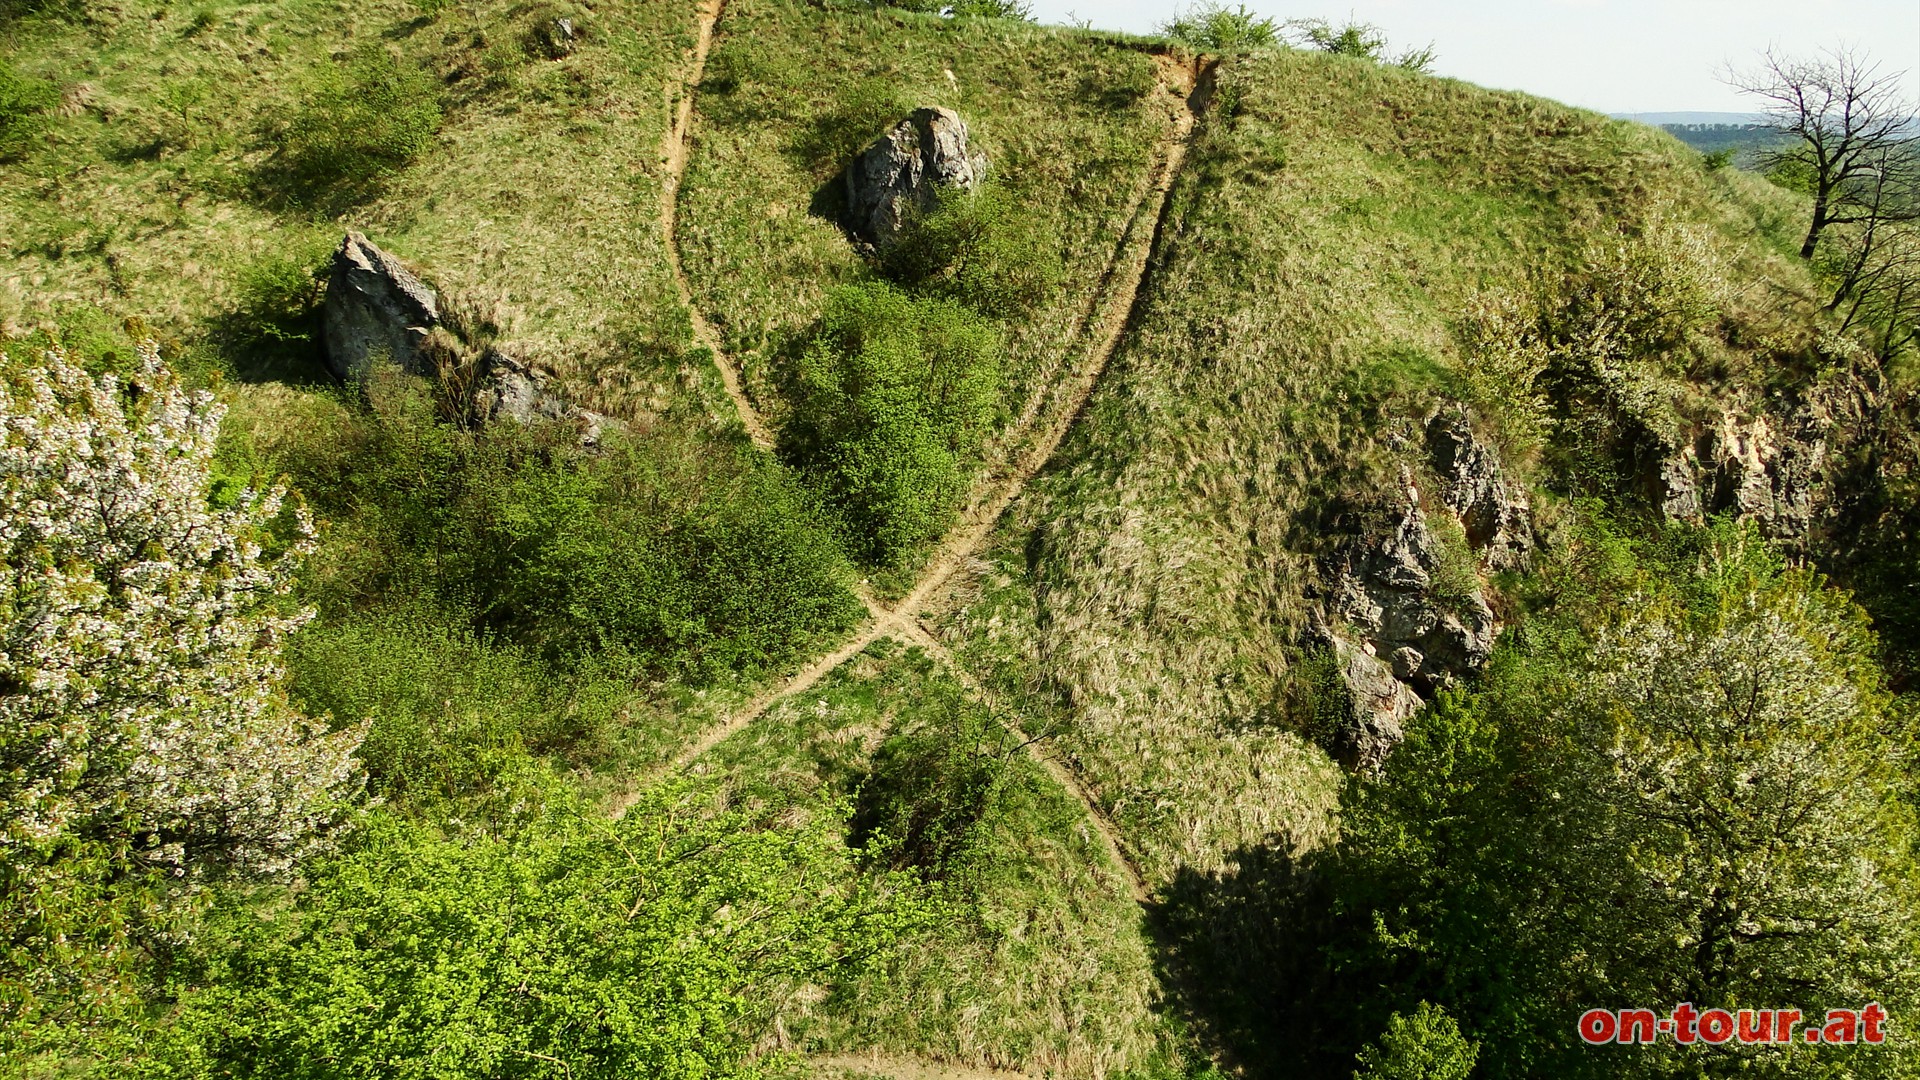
(977, 739)
(1313, 297)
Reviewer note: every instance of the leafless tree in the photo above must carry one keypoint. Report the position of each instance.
(1849, 134)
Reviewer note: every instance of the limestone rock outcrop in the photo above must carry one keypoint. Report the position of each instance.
(905, 171)
(1757, 468)
(375, 309)
(1406, 612)
(1391, 590)
(1378, 706)
(1495, 513)
(378, 311)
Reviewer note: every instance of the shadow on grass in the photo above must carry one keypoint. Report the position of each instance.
(1244, 957)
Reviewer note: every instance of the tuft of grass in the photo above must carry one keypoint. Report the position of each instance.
(356, 125)
(24, 102)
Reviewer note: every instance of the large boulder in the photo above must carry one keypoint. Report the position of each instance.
(376, 309)
(906, 170)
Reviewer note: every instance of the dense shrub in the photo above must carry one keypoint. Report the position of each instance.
(1214, 26)
(932, 786)
(979, 249)
(572, 948)
(357, 124)
(1425, 1044)
(688, 559)
(23, 106)
(890, 398)
(449, 713)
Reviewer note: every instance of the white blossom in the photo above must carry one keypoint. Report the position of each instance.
(140, 634)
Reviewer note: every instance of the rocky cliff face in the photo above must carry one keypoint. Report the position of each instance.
(1406, 616)
(1753, 468)
(905, 171)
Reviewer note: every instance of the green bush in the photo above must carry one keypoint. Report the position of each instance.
(23, 106)
(1423, 1045)
(980, 249)
(889, 399)
(1215, 26)
(357, 124)
(685, 558)
(932, 786)
(574, 948)
(992, 9)
(450, 713)
(1357, 39)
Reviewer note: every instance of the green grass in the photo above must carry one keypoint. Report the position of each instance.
(1042, 966)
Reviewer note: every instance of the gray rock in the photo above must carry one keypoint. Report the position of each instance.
(511, 390)
(905, 171)
(556, 38)
(1768, 469)
(1495, 513)
(1377, 708)
(376, 310)
(1383, 589)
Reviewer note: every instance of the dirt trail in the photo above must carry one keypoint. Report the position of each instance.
(1194, 80)
(904, 1068)
(1103, 826)
(673, 157)
(1031, 444)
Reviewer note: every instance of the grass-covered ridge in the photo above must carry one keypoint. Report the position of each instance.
(1337, 228)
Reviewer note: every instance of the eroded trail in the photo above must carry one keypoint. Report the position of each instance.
(673, 157)
(1193, 81)
(1103, 826)
(1017, 459)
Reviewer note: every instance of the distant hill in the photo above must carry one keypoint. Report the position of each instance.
(1663, 119)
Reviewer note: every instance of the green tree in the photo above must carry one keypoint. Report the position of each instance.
(890, 398)
(573, 948)
(1423, 1045)
(1682, 784)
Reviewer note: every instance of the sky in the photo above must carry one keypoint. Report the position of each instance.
(1610, 55)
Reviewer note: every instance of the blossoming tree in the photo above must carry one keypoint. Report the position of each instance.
(145, 742)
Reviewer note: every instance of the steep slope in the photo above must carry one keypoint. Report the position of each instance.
(1337, 228)
(1273, 269)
